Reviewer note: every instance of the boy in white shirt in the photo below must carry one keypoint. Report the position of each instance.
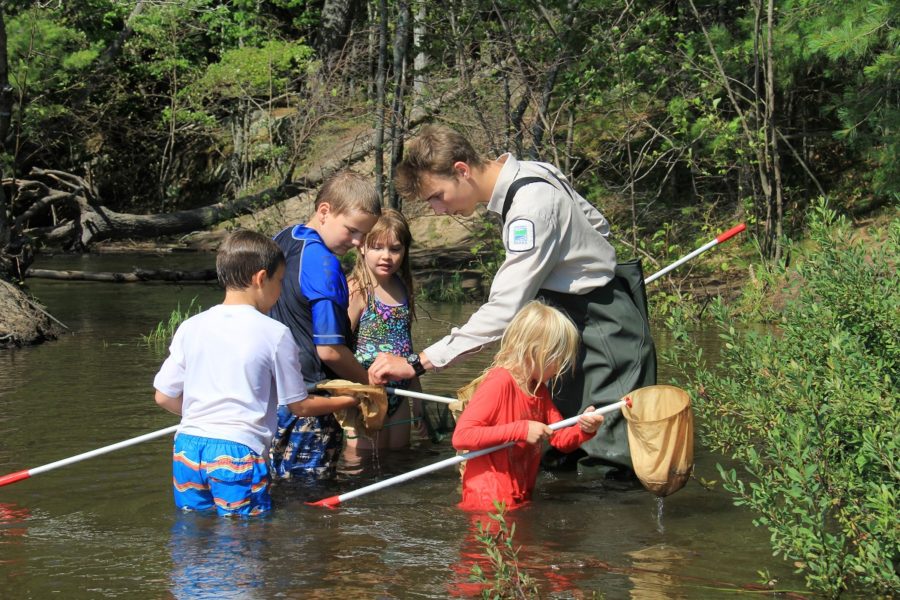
(228, 370)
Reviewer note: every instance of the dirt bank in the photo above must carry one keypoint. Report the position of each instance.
(22, 320)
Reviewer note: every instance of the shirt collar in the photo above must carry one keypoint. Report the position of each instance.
(302, 232)
(507, 175)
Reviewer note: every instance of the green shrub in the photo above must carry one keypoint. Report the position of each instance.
(808, 408)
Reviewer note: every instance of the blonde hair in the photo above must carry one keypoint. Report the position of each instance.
(538, 336)
(347, 192)
(391, 224)
(433, 151)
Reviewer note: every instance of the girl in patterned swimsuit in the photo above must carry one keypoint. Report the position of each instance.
(381, 313)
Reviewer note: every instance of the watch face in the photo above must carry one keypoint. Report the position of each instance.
(412, 359)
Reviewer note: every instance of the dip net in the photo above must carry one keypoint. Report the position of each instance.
(661, 437)
(368, 417)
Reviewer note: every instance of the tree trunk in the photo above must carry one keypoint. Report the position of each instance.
(6, 106)
(750, 134)
(380, 77)
(398, 111)
(85, 221)
(135, 276)
(420, 63)
(337, 17)
(773, 132)
(541, 122)
(16, 250)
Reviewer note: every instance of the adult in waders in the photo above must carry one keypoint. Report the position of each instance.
(556, 249)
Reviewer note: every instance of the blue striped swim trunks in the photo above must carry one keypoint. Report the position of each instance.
(209, 473)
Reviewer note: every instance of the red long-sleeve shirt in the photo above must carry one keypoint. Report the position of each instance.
(498, 412)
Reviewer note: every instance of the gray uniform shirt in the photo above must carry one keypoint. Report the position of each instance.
(553, 241)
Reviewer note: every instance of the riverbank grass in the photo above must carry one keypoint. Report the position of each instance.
(160, 337)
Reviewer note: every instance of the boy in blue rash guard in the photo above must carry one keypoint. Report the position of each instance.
(228, 367)
(314, 307)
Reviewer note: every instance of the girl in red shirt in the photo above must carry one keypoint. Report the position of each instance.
(513, 404)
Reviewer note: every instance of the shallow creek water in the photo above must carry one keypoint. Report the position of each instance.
(107, 528)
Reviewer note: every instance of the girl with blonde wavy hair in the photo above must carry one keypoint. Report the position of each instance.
(513, 404)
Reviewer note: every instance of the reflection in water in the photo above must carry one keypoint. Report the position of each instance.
(214, 557)
(650, 572)
(10, 516)
(659, 515)
(531, 560)
(13, 530)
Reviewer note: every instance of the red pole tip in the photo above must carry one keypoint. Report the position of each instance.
(731, 233)
(331, 502)
(14, 477)
(628, 401)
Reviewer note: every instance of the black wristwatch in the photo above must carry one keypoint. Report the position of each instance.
(413, 359)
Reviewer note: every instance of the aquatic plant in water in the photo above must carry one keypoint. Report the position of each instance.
(160, 337)
(507, 579)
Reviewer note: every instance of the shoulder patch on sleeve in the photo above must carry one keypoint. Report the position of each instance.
(520, 235)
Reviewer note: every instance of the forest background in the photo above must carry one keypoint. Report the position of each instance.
(149, 120)
(139, 119)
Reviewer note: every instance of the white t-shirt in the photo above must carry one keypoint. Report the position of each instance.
(234, 366)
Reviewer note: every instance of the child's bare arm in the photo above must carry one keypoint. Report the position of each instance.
(316, 406)
(171, 404)
(357, 303)
(341, 360)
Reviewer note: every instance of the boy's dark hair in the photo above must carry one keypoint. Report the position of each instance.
(346, 192)
(433, 151)
(243, 254)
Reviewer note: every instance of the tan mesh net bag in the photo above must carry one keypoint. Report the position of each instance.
(463, 395)
(368, 418)
(661, 437)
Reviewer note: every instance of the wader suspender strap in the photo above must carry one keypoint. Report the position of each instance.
(514, 187)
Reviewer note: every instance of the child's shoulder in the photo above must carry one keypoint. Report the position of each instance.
(313, 244)
(321, 267)
(317, 249)
(497, 388)
(497, 377)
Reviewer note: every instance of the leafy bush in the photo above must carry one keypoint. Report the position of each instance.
(808, 408)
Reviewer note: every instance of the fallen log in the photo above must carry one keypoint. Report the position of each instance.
(135, 276)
